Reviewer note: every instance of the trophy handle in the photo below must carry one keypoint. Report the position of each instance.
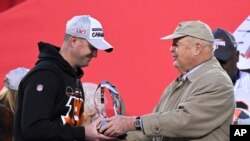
(118, 105)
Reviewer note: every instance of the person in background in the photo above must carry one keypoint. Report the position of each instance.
(198, 105)
(227, 54)
(5, 124)
(51, 97)
(90, 105)
(8, 96)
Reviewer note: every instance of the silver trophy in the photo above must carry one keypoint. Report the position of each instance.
(101, 95)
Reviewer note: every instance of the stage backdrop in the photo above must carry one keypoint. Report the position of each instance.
(141, 64)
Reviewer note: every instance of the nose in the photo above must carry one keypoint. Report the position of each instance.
(94, 53)
(172, 48)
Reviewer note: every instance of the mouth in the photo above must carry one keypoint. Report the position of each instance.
(174, 57)
(89, 59)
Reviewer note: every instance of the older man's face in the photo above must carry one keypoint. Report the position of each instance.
(181, 51)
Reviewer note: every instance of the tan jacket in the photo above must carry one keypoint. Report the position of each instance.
(199, 108)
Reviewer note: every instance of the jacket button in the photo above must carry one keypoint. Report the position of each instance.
(156, 130)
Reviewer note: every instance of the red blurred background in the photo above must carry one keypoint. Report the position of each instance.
(140, 65)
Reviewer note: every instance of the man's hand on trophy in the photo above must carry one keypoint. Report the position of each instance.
(91, 133)
(118, 125)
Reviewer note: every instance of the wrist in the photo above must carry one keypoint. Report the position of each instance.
(131, 124)
(138, 123)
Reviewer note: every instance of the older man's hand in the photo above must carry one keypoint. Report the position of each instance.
(118, 125)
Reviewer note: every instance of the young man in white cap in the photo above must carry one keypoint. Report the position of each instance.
(227, 54)
(51, 99)
(198, 105)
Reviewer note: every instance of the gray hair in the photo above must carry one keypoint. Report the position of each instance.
(204, 43)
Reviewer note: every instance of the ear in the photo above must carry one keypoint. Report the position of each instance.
(197, 48)
(72, 40)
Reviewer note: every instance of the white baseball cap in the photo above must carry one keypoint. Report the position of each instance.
(14, 77)
(84, 26)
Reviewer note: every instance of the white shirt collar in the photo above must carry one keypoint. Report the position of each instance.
(191, 71)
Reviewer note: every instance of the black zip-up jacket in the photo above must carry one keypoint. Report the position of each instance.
(50, 100)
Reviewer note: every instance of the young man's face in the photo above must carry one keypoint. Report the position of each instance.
(83, 52)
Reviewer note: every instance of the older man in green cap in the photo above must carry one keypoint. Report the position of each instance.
(198, 105)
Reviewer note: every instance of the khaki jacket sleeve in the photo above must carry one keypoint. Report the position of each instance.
(139, 135)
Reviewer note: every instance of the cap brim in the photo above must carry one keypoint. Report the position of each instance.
(223, 55)
(101, 44)
(172, 36)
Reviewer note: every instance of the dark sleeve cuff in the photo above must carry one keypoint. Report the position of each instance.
(78, 133)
